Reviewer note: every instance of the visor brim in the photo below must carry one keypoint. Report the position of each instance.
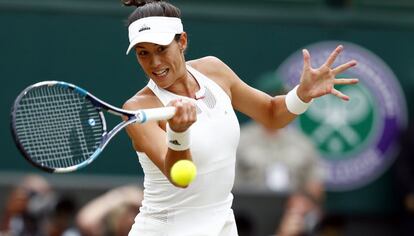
(156, 38)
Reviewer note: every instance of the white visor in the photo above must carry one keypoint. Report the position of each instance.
(155, 29)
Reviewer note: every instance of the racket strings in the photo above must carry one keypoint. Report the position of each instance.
(58, 127)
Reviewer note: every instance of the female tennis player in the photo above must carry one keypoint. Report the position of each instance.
(205, 129)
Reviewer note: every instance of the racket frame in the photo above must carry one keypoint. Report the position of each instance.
(138, 116)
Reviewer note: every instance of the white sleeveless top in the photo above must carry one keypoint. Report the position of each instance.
(205, 204)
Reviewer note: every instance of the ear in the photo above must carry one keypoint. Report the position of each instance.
(182, 43)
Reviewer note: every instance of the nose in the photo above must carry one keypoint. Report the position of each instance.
(155, 61)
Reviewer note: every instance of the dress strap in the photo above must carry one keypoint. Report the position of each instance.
(160, 93)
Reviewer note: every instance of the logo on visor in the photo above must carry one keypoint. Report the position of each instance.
(143, 28)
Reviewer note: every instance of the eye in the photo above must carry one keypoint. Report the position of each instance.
(161, 48)
(142, 53)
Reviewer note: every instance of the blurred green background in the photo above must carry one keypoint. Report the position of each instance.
(84, 42)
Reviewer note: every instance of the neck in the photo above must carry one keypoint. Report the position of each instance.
(186, 85)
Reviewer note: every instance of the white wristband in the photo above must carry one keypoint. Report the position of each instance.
(178, 141)
(294, 104)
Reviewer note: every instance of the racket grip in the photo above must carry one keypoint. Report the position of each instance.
(162, 113)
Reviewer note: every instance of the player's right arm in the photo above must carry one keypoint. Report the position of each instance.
(150, 137)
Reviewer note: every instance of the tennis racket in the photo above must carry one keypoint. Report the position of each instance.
(60, 127)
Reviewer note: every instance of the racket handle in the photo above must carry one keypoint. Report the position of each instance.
(162, 113)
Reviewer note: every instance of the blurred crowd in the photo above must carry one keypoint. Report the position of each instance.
(34, 208)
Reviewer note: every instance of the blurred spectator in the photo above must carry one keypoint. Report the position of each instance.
(284, 161)
(26, 203)
(33, 208)
(404, 167)
(60, 220)
(111, 214)
(244, 223)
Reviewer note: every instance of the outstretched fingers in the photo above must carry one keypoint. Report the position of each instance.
(306, 60)
(339, 94)
(346, 81)
(331, 59)
(341, 68)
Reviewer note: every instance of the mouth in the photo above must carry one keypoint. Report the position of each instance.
(160, 73)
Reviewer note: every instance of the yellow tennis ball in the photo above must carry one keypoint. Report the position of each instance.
(183, 172)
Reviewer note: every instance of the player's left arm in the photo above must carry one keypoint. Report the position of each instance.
(272, 112)
(261, 107)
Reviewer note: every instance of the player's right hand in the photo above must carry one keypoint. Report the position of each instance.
(185, 115)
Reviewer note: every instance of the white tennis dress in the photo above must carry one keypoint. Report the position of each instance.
(204, 207)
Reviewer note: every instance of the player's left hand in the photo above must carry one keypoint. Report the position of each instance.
(318, 82)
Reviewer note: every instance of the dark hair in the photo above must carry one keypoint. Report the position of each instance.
(146, 8)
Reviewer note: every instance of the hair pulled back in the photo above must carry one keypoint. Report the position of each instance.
(147, 8)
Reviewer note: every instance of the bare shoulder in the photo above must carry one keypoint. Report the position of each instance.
(144, 98)
(209, 66)
(216, 70)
